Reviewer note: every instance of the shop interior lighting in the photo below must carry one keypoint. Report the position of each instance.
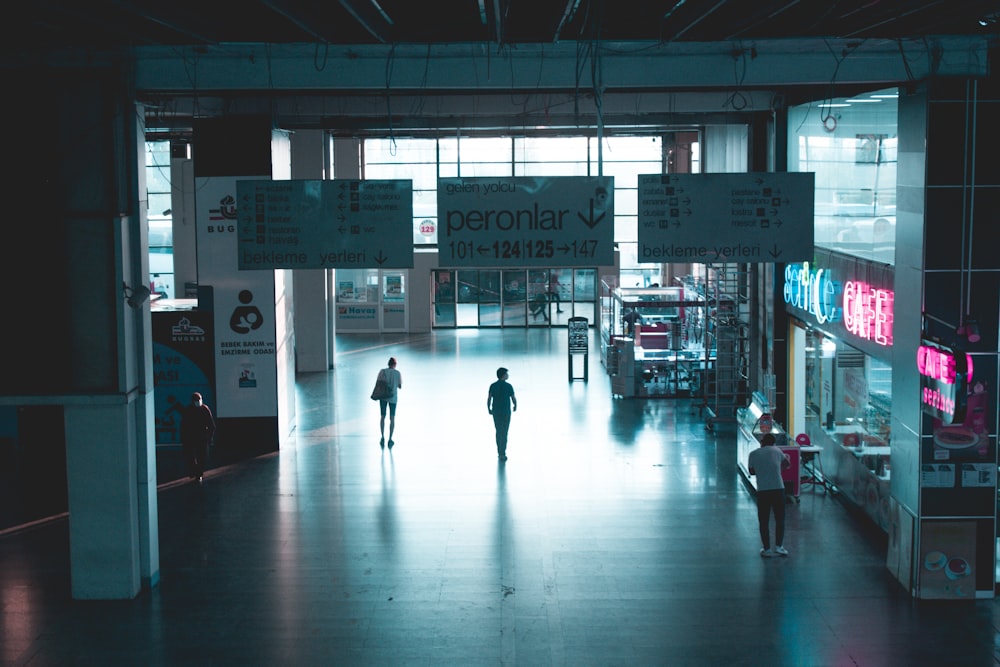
(969, 330)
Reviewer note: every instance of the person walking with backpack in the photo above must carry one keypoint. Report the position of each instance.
(393, 382)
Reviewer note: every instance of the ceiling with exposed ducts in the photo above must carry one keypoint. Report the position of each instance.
(52, 24)
(357, 64)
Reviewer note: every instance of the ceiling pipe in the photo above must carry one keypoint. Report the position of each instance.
(281, 10)
(568, 14)
(372, 18)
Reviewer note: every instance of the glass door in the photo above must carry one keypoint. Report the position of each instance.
(515, 297)
(444, 297)
(394, 315)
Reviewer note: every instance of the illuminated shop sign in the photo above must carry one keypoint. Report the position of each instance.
(812, 290)
(944, 377)
(868, 311)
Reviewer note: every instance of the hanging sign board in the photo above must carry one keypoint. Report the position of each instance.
(315, 224)
(710, 218)
(526, 221)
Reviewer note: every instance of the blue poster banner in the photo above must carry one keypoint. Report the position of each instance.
(183, 363)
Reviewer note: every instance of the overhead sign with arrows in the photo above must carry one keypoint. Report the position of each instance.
(526, 221)
(712, 218)
(315, 224)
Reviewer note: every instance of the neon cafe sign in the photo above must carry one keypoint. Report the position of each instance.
(866, 310)
(812, 290)
(945, 375)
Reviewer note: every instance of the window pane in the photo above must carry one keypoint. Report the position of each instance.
(552, 169)
(468, 287)
(158, 179)
(489, 287)
(489, 149)
(389, 171)
(159, 206)
(514, 286)
(484, 169)
(855, 167)
(548, 149)
(626, 230)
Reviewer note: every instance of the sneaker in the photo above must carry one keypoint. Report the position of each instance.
(766, 553)
(780, 550)
(391, 443)
(381, 443)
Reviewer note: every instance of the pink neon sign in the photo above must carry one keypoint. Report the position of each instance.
(868, 311)
(944, 377)
(940, 365)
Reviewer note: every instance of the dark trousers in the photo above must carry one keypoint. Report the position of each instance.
(767, 502)
(502, 422)
(196, 457)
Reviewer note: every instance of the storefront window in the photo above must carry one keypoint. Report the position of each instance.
(848, 403)
(851, 146)
(847, 390)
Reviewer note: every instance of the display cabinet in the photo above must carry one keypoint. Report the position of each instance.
(652, 342)
(755, 420)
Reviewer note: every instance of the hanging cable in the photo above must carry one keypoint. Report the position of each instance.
(389, 62)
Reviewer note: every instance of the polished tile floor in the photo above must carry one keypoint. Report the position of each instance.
(617, 533)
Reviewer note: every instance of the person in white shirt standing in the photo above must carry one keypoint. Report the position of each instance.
(766, 463)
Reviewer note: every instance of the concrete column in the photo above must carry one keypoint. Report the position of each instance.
(85, 256)
(947, 200)
(312, 309)
(103, 500)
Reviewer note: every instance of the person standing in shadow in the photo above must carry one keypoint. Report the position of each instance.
(394, 381)
(498, 403)
(766, 463)
(197, 430)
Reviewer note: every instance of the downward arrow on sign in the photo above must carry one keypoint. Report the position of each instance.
(592, 221)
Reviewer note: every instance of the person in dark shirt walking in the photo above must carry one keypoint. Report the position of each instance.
(197, 430)
(498, 403)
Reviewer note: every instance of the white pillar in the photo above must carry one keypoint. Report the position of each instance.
(101, 448)
(313, 308)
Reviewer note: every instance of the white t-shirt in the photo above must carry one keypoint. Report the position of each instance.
(765, 463)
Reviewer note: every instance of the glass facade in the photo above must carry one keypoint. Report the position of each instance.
(160, 219)
(851, 145)
(512, 297)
